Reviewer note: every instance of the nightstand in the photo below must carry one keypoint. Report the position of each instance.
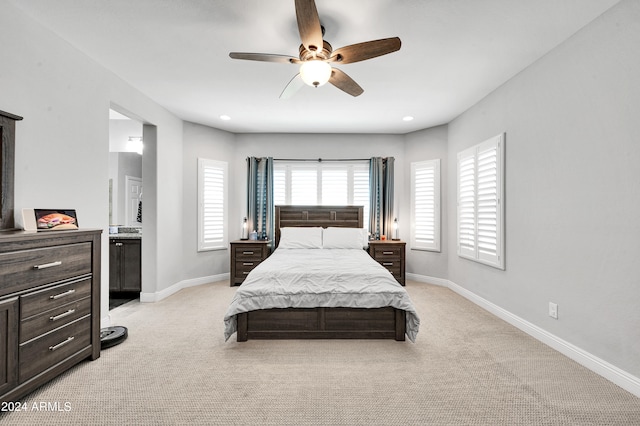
(389, 254)
(246, 255)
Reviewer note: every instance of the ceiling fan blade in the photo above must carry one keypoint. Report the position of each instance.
(367, 50)
(292, 88)
(264, 57)
(309, 25)
(345, 83)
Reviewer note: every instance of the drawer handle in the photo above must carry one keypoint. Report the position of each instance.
(387, 252)
(247, 252)
(48, 265)
(65, 314)
(247, 263)
(66, 293)
(387, 263)
(245, 273)
(61, 344)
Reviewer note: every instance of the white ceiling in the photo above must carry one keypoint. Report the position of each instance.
(454, 52)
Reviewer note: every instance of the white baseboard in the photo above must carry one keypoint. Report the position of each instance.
(163, 294)
(610, 372)
(426, 279)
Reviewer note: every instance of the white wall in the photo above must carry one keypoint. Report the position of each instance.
(572, 193)
(204, 142)
(119, 132)
(62, 145)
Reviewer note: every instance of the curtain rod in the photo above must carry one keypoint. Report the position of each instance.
(319, 160)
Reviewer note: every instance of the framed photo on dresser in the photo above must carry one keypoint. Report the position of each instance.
(49, 220)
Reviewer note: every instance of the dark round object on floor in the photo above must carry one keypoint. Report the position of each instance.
(112, 336)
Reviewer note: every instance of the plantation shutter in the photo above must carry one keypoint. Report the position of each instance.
(212, 196)
(480, 207)
(467, 203)
(279, 186)
(487, 202)
(304, 184)
(322, 183)
(425, 209)
(335, 186)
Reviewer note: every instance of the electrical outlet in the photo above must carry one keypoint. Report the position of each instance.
(553, 310)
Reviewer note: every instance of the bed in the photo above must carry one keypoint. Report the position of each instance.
(326, 292)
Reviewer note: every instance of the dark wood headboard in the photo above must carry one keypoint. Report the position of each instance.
(324, 216)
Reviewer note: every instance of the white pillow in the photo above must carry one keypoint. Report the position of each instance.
(301, 237)
(344, 238)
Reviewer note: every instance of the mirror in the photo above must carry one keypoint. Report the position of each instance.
(7, 167)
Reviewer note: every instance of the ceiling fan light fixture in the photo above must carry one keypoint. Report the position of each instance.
(316, 54)
(315, 72)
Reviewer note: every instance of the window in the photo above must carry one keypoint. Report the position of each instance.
(425, 205)
(480, 202)
(212, 204)
(322, 183)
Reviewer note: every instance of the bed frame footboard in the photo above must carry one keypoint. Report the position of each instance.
(322, 323)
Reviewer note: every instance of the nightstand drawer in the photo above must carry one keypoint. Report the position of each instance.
(243, 268)
(391, 264)
(394, 266)
(387, 252)
(249, 252)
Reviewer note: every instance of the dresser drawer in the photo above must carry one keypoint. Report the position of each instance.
(21, 270)
(54, 297)
(39, 354)
(249, 252)
(54, 318)
(381, 253)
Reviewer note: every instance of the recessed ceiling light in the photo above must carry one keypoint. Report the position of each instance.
(225, 117)
(407, 118)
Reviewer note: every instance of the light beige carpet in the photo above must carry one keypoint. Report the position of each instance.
(467, 368)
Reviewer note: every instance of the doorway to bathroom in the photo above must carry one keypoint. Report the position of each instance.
(125, 208)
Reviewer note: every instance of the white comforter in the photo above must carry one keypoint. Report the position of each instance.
(307, 278)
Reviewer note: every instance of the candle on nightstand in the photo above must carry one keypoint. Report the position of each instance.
(396, 233)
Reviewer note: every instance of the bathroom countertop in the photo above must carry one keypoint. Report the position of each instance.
(126, 235)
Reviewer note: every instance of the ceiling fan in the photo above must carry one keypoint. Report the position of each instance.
(317, 55)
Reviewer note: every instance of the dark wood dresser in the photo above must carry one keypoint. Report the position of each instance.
(49, 306)
(390, 254)
(246, 255)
